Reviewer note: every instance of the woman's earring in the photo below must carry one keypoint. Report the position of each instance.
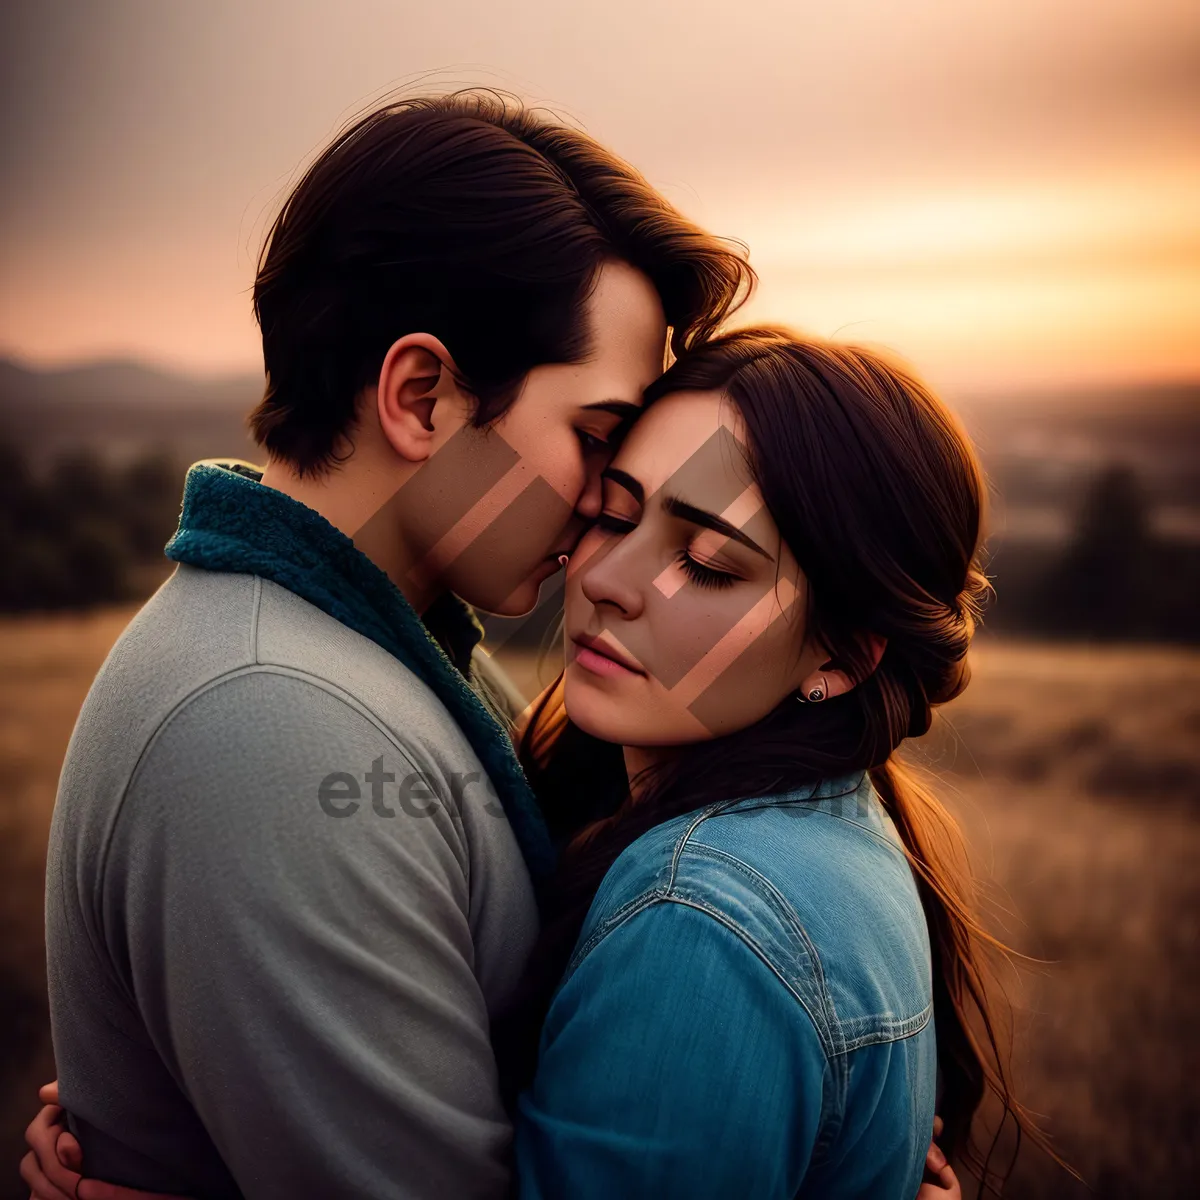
(815, 695)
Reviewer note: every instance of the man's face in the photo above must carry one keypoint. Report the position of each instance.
(536, 470)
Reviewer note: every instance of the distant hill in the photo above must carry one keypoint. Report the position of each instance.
(123, 408)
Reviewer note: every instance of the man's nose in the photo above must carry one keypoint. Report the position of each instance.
(591, 499)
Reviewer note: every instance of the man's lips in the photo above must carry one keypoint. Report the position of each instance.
(602, 658)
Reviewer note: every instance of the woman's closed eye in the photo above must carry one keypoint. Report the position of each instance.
(697, 572)
(702, 575)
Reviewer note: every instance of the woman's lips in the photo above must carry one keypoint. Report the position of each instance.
(593, 656)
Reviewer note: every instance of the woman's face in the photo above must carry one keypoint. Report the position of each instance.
(684, 610)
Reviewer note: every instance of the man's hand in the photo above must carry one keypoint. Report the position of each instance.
(51, 1168)
(940, 1181)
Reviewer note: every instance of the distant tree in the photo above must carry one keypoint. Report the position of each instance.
(1115, 515)
(1117, 577)
(1104, 585)
(17, 496)
(14, 477)
(27, 567)
(70, 539)
(149, 491)
(98, 558)
(81, 481)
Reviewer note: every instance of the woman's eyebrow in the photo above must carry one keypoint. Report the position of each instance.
(698, 516)
(621, 479)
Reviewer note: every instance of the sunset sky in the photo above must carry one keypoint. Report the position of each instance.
(1006, 193)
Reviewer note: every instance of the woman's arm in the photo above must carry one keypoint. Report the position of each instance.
(674, 1062)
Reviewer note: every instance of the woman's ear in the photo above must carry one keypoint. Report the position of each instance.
(417, 373)
(827, 680)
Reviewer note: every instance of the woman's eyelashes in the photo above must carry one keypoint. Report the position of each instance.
(697, 572)
(702, 576)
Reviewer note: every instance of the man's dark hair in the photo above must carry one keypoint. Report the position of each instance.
(479, 221)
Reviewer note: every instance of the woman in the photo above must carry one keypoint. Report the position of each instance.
(760, 949)
(750, 954)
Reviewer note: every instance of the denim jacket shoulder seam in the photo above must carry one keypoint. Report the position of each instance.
(831, 1033)
(624, 911)
(878, 1028)
(788, 912)
(682, 841)
(658, 896)
(614, 919)
(826, 1031)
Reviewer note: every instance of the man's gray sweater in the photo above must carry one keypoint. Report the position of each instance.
(282, 902)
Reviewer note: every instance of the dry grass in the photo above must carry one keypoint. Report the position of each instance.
(1076, 774)
(46, 667)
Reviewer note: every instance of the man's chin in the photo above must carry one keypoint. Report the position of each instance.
(517, 604)
(520, 602)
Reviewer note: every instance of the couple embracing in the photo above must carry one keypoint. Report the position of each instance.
(328, 917)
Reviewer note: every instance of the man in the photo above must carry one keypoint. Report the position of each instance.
(293, 863)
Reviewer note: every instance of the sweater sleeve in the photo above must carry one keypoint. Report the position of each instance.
(300, 950)
(674, 1063)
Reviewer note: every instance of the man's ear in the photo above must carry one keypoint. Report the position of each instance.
(833, 682)
(417, 372)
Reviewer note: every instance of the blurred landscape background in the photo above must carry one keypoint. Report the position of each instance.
(1007, 195)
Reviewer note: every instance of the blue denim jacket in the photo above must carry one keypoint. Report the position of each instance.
(748, 1012)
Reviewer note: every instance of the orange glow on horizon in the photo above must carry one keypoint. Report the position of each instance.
(1003, 194)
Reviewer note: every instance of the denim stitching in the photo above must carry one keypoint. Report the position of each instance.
(890, 1030)
(616, 917)
(645, 896)
(773, 896)
(836, 1033)
(701, 816)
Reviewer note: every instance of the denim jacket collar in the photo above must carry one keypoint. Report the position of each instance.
(850, 797)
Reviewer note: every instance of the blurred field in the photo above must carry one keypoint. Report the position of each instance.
(1076, 773)
(46, 667)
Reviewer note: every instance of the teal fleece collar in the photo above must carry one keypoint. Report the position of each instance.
(230, 522)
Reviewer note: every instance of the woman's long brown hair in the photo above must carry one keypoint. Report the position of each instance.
(877, 492)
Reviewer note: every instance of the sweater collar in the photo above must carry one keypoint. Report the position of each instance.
(231, 522)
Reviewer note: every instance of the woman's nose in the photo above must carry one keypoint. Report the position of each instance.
(608, 578)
